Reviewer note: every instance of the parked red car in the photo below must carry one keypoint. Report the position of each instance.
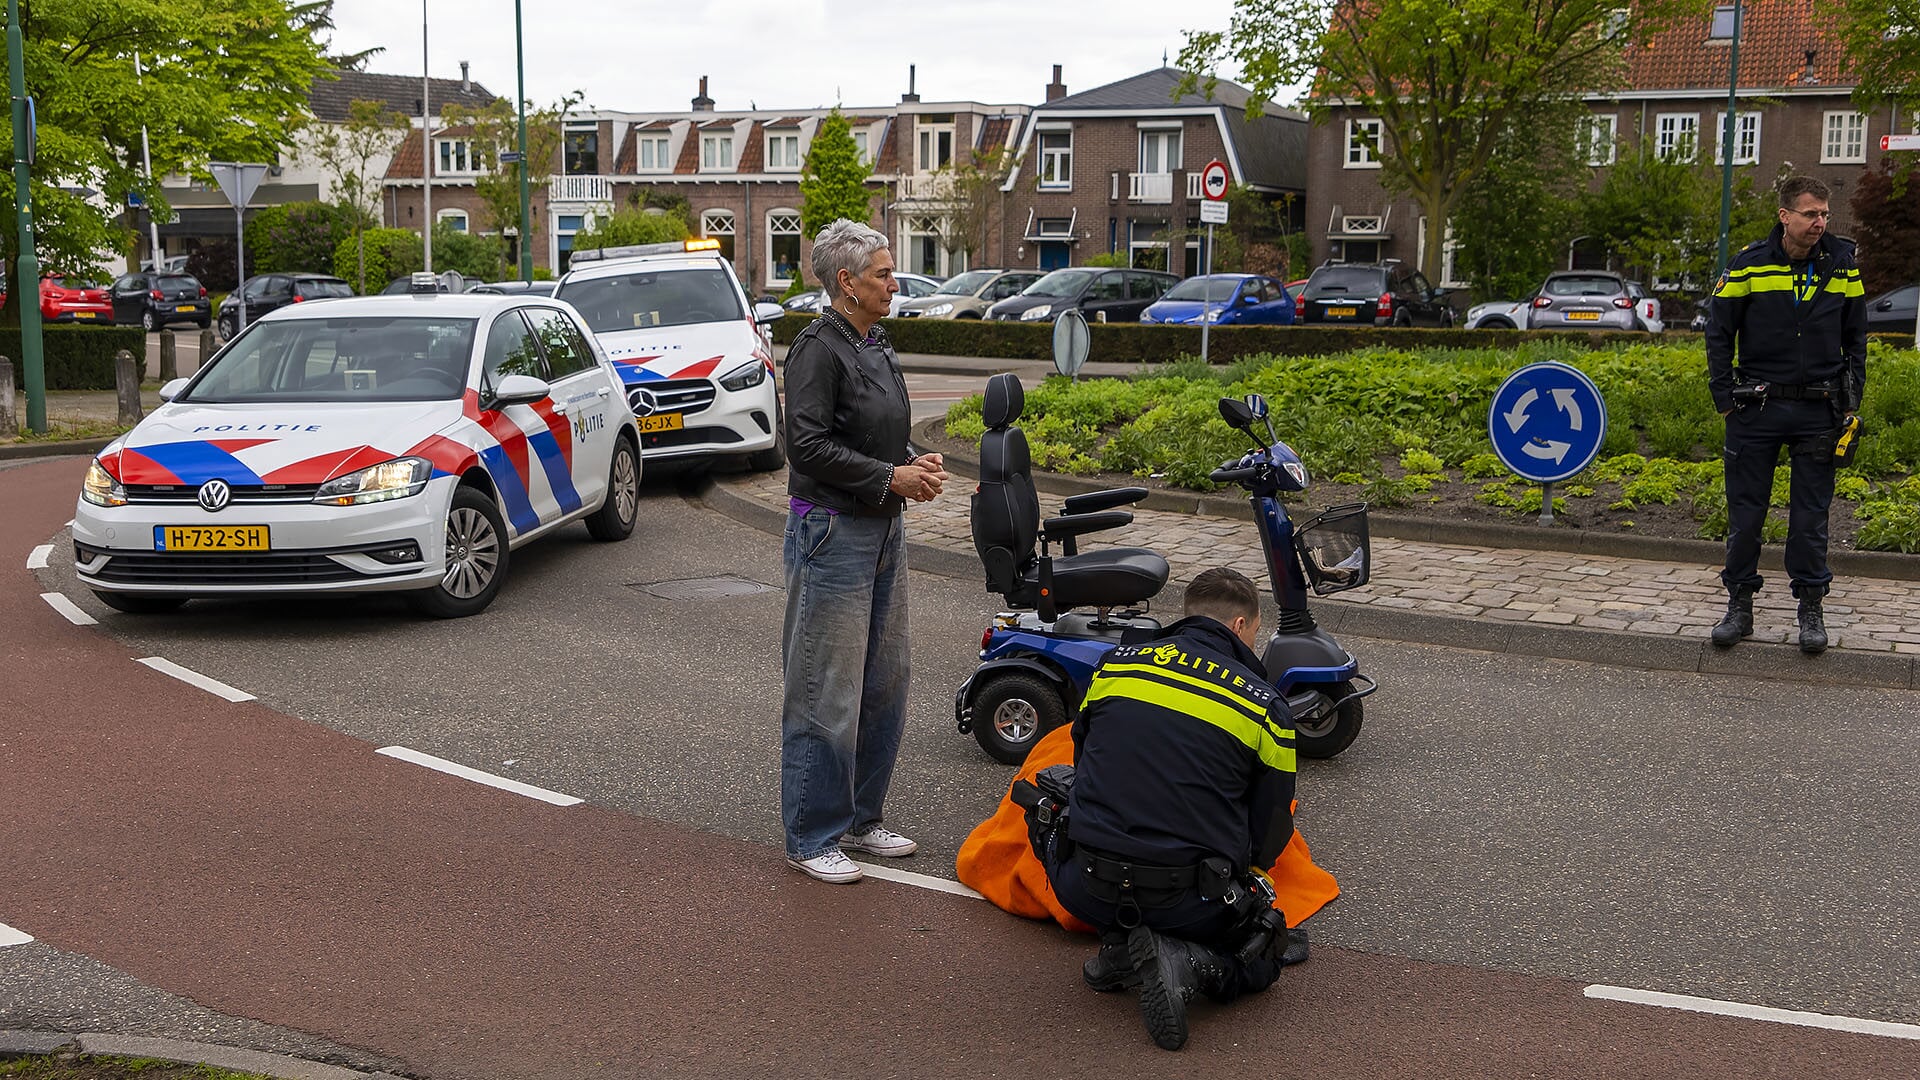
(71, 298)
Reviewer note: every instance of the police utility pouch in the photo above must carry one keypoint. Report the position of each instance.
(1749, 393)
(1846, 442)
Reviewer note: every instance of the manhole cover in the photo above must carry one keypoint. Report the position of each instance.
(704, 588)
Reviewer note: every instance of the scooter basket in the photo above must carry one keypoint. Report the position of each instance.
(1334, 550)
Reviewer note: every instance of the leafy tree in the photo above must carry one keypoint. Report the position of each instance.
(1108, 258)
(475, 255)
(669, 202)
(347, 152)
(632, 226)
(833, 179)
(1513, 218)
(495, 127)
(1882, 43)
(1447, 81)
(300, 236)
(387, 254)
(972, 194)
(1886, 214)
(216, 262)
(1661, 215)
(223, 80)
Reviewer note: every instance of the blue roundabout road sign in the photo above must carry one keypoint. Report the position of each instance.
(1547, 422)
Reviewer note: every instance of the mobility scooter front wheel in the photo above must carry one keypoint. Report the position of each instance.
(1334, 730)
(1012, 711)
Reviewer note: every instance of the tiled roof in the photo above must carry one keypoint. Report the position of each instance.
(753, 157)
(787, 122)
(994, 133)
(725, 121)
(689, 154)
(331, 98)
(626, 162)
(657, 125)
(1775, 36)
(406, 159)
(1149, 90)
(883, 159)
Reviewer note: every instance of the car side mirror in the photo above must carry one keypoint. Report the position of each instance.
(520, 390)
(764, 313)
(1884, 305)
(1249, 299)
(172, 389)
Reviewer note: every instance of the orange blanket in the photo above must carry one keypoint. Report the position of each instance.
(998, 861)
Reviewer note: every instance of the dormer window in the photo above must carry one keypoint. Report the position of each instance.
(783, 152)
(453, 158)
(1725, 23)
(716, 153)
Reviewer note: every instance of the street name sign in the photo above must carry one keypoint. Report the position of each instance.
(1213, 212)
(1900, 142)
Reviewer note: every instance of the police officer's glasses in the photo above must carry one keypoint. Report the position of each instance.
(1811, 215)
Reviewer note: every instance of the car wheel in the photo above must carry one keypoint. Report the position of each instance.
(140, 603)
(476, 544)
(1446, 320)
(614, 520)
(1496, 324)
(149, 321)
(1403, 319)
(775, 456)
(228, 331)
(203, 322)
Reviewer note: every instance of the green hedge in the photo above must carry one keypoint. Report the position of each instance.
(75, 357)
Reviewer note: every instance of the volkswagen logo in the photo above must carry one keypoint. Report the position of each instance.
(643, 402)
(214, 495)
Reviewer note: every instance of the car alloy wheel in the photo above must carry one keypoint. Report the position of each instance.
(149, 321)
(473, 553)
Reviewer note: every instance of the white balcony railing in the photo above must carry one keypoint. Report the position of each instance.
(926, 188)
(1150, 187)
(1194, 191)
(580, 189)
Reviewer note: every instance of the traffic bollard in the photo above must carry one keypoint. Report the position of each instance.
(207, 345)
(126, 379)
(169, 359)
(9, 427)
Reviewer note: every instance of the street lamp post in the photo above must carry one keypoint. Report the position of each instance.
(27, 287)
(426, 141)
(1726, 143)
(526, 199)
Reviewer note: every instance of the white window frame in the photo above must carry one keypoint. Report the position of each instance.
(781, 221)
(716, 153)
(1600, 137)
(790, 160)
(454, 157)
(1675, 132)
(716, 223)
(1838, 129)
(1056, 162)
(1449, 247)
(860, 147)
(926, 141)
(659, 145)
(455, 217)
(1365, 140)
(1169, 139)
(1746, 138)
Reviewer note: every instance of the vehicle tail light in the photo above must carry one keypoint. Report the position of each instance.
(1386, 306)
(156, 295)
(986, 638)
(56, 294)
(1622, 302)
(1541, 301)
(297, 298)
(203, 292)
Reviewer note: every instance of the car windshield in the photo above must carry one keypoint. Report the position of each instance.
(1583, 286)
(966, 284)
(1216, 289)
(1061, 283)
(644, 299)
(357, 359)
(1349, 282)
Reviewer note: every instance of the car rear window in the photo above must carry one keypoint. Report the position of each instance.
(313, 289)
(1346, 282)
(1583, 286)
(176, 281)
(644, 299)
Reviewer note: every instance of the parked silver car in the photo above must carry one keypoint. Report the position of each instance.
(1593, 300)
(968, 295)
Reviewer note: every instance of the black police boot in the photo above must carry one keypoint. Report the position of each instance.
(1167, 983)
(1813, 626)
(1111, 968)
(1738, 622)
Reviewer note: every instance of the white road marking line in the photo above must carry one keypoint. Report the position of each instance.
(68, 609)
(1766, 1013)
(37, 558)
(922, 881)
(10, 936)
(194, 678)
(454, 768)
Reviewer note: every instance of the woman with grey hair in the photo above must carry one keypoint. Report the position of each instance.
(844, 653)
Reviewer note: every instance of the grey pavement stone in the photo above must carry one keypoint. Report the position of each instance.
(223, 1057)
(34, 1042)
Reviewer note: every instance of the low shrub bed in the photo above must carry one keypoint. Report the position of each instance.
(1407, 428)
(75, 357)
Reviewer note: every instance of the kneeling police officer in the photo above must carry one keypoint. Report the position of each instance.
(1180, 795)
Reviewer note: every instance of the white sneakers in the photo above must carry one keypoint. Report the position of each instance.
(834, 867)
(878, 841)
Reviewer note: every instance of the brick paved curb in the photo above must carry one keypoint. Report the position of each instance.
(1870, 564)
(54, 449)
(19, 1043)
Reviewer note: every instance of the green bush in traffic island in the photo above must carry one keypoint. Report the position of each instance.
(390, 253)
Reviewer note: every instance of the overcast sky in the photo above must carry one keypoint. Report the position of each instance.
(648, 57)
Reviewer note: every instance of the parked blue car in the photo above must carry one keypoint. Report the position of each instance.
(1224, 300)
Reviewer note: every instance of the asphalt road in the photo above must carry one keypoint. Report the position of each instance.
(1505, 831)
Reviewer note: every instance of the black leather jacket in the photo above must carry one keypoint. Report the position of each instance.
(847, 418)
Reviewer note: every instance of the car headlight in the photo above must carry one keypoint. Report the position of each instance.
(394, 479)
(746, 376)
(938, 310)
(100, 488)
(1214, 315)
(1035, 314)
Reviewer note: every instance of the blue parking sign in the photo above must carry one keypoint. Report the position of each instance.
(1547, 422)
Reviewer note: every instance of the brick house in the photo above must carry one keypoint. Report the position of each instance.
(1793, 107)
(1117, 169)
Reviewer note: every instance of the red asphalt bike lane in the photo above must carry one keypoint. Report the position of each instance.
(269, 868)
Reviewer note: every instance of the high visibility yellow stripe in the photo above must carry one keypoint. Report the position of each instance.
(1759, 268)
(1770, 284)
(1847, 288)
(1225, 694)
(1732, 289)
(1254, 736)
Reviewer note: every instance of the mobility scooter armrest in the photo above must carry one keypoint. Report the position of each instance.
(1102, 500)
(1072, 525)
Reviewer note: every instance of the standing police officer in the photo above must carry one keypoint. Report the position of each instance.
(1795, 303)
(1182, 792)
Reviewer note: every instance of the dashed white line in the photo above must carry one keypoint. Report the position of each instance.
(454, 768)
(1853, 1024)
(10, 936)
(68, 609)
(194, 678)
(37, 558)
(922, 881)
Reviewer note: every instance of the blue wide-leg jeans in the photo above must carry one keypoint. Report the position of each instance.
(845, 668)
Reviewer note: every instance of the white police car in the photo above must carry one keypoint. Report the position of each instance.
(693, 353)
(370, 444)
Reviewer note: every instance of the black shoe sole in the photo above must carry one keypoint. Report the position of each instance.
(1161, 1005)
(1813, 650)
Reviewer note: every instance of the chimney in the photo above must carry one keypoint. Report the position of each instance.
(466, 83)
(1056, 89)
(910, 98)
(703, 103)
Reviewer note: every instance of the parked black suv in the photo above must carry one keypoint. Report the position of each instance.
(1375, 294)
(154, 300)
(268, 292)
(1101, 295)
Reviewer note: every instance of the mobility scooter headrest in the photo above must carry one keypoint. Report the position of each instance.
(1005, 400)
